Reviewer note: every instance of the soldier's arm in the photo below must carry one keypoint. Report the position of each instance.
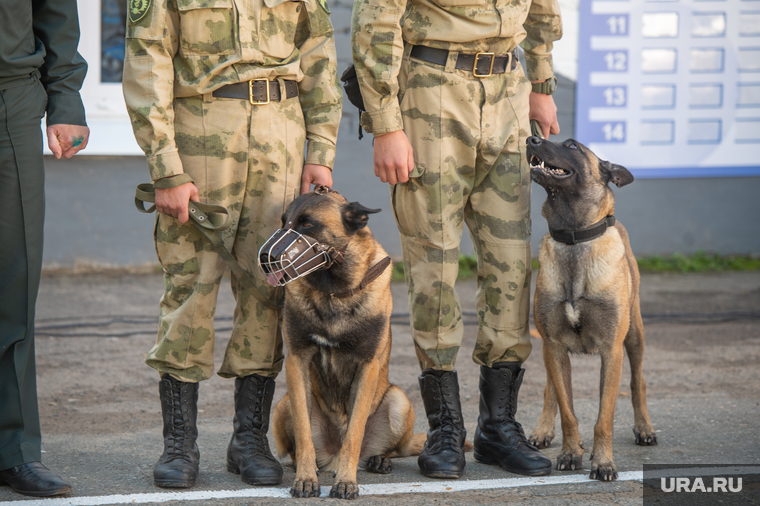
(148, 84)
(56, 24)
(378, 48)
(319, 91)
(543, 27)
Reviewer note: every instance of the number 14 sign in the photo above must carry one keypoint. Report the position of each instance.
(671, 88)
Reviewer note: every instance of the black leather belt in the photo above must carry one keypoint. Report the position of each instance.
(257, 91)
(480, 64)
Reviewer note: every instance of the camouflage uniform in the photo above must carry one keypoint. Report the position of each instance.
(468, 136)
(245, 157)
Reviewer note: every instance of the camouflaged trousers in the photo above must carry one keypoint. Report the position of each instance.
(468, 136)
(248, 159)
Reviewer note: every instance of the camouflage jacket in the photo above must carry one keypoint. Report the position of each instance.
(380, 28)
(182, 48)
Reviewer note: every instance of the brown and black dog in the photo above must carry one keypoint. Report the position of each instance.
(340, 411)
(587, 299)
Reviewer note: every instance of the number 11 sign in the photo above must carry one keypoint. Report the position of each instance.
(671, 88)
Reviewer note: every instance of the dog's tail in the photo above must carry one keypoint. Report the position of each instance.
(415, 445)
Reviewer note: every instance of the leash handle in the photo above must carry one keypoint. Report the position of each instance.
(209, 216)
(535, 129)
(210, 219)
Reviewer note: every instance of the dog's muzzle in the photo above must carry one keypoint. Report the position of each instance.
(288, 255)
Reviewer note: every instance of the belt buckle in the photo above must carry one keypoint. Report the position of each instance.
(475, 64)
(266, 86)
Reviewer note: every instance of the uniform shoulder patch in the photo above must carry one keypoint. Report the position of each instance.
(322, 3)
(138, 9)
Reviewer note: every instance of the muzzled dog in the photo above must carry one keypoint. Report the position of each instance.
(587, 299)
(340, 411)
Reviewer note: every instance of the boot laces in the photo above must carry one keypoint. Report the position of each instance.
(178, 433)
(253, 435)
(511, 427)
(448, 431)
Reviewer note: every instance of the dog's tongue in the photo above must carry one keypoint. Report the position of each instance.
(273, 278)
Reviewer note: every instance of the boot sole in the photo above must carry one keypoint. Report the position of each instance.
(37, 493)
(441, 474)
(483, 459)
(174, 484)
(234, 469)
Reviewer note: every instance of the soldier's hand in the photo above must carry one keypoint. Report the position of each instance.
(543, 110)
(67, 140)
(393, 157)
(313, 175)
(173, 201)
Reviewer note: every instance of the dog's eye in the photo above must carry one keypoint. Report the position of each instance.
(572, 146)
(307, 224)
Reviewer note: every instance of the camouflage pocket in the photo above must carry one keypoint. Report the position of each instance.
(206, 27)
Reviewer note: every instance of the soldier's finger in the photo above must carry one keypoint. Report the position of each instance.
(402, 174)
(54, 145)
(183, 215)
(546, 129)
(555, 128)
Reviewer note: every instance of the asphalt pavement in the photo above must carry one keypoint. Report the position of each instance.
(102, 426)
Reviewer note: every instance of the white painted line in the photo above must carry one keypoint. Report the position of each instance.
(436, 487)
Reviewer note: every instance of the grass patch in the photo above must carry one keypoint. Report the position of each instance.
(677, 262)
(698, 262)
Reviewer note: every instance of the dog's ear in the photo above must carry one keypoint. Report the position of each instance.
(617, 174)
(355, 215)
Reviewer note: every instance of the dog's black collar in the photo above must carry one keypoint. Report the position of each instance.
(572, 237)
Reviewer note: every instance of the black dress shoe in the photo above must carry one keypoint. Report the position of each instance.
(34, 479)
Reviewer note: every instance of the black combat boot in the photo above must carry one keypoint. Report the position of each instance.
(248, 453)
(499, 439)
(178, 466)
(443, 455)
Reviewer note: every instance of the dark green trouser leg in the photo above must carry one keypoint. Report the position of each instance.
(22, 201)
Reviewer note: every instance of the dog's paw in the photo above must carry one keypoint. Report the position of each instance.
(569, 462)
(645, 437)
(379, 465)
(345, 490)
(541, 440)
(603, 471)
(305, 488)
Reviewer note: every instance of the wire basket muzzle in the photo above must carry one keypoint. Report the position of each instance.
(288, 255)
